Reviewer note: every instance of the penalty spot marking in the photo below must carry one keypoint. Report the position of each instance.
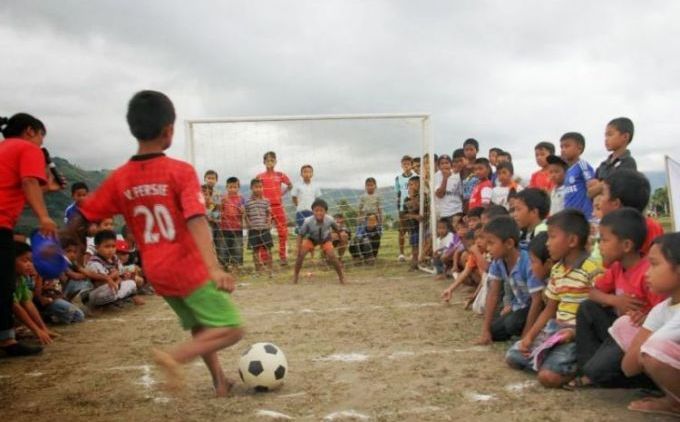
(474, 396)
(343, 357)
(273, 414)
(518, 387)
(346, 414)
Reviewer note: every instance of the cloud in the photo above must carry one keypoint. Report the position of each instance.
(509, 74)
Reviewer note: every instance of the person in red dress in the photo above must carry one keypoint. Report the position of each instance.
(272, 181)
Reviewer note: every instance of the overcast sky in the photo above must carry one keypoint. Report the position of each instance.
(509, 74)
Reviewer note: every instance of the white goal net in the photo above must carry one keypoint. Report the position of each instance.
(343, 151)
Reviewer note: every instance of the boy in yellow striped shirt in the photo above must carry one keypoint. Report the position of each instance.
(548, 347)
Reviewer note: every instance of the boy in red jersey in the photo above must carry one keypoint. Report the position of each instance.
(161, 201)
(271, 184)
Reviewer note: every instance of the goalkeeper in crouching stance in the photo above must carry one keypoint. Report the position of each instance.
(317, 231)
(161, 201)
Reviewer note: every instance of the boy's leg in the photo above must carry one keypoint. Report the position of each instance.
(238, 247)
(559, 367)
(279, 216)
(516, 359)
(592, 323)
(604, 368)
(663, 368)
(505, 327)
(333, 260)
(64, 311)
(305, 246)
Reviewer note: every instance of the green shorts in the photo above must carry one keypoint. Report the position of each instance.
(205, 307)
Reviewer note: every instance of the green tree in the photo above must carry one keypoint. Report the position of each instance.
(349, 212)
(660, 201)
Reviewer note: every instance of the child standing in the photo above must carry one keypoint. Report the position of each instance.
(370, 202)
(231, 224)
(510, 273)
(541, 178)
(448, 190)
(467, 174)
(161, 202)
(401, 188)
(620, 290)
(655, 348)
(79, 191)
(570, 281)
(316, 231)
(412, 218)
(579, 173)
(259, 223)
(617, 136)
(557, 168)
(481, 194)
(272, 181)
(304, 195)
(506, 187)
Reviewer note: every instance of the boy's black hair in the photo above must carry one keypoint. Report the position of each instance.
(473, 142)
(670, 247)
(210, 173)
(538, 246)
(103, 236)
(623, 125)
(572, 221)
(268, 154)
(21, 248)
(548, 146)
(338, 215)
(370, 180)
(493, 211)
(416, 159)
(557, 160)
(414, 179)
(371, 214)
(443, 157)
(535, 199)
(318, 202)
(458, 153)
(577, 137)
(627, 224)
(630, 187)
(68, 241)
(507, 165)
(476, 212)
(306, 166)
(233, 179)
(505, 154)
(496, 150)
(470, 235)
(485, 162)
(77, 186)
(14, 126)
(149, 112)
(407, 158)
(446, 222)
(254, 182)
(503, 227)
(207, 187)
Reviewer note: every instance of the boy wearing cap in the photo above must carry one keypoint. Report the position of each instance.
(557, 169)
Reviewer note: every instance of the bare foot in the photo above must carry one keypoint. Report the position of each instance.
(295, 280)
(224, 388)
(174, 376)
(661, 406)
(138, 300)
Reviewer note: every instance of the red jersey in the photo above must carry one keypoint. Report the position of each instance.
(541, 179)
(19, 159)
(481, 195)
(654, 230)
(632, 283)
(157, 195)
(271, 185)
(231, 217)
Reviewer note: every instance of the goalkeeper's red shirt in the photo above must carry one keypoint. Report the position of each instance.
(271, 185)
(157, 195)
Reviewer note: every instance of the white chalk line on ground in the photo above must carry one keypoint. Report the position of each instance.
(346, 414)
(475, 396)
(345, 309)
(518, 387)
(272, 414)
(400, 354)
(145, 379)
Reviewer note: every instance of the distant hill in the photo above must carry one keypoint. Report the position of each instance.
(58, 201)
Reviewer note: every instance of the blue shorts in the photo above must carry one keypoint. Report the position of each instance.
(300, 218)
(561, 359)
(413, 238)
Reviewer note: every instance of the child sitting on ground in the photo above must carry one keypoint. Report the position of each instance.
(75, 279)
(23, 307)
(509, 276)
(654, 348)
(259, 222)
(622, 289)
(475, 264)
(530, 210)
(106, 274)
(316, 231)
(451, 257)
(341, 236)
(130, 270)
(93, 229)
(506, 187)
(366, 243)
(444, 239)
(548, 347)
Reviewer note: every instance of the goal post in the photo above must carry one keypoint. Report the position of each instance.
(353, 146)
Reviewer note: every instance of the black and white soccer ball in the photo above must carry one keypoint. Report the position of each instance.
(263, 367)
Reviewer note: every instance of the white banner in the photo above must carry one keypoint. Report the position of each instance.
(673, 180)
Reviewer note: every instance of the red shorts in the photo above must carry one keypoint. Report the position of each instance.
(308, 245)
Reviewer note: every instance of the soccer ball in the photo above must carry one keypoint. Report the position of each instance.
(263, 367)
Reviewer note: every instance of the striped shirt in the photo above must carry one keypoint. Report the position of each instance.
(258, 211)
(570, 287)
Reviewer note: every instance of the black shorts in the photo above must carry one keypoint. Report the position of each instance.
(258, 238)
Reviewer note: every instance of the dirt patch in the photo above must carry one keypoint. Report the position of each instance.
(382, 348)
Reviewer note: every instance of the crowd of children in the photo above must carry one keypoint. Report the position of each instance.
(567, 268)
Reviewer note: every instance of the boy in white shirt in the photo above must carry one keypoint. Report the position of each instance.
(304, 195)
